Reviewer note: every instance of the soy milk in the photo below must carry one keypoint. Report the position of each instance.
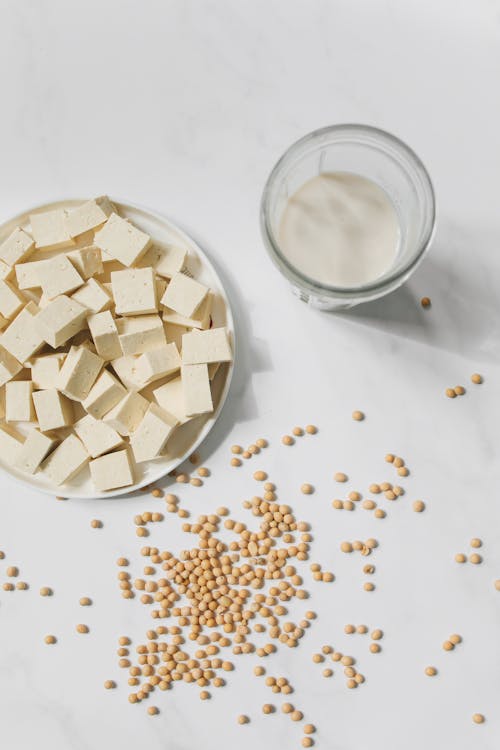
(340, 229)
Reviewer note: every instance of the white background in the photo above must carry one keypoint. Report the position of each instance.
(184, 106)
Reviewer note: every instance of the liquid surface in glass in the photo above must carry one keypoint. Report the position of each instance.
(340, 229)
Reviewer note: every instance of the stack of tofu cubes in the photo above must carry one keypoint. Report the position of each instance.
(106, 345)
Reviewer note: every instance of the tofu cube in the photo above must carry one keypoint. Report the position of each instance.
(57, 276)
(106, 392)
(166, 260)
(184, 295)
(78, 373)
(201, 318)
(158, 363)
(9, 366)
(11, 301)
(127, 414)
(19, 401)
(22, 338)
(11, 444)
(89, 215)
(170, 397)
(149, 439)
(140, 334)
(94, 296)
(203, 347)
(196, 389)
(45, 370)
(87, 261)
(35, 449)
(53, 410)
(134, 291)
(97, 436)
(50, 230)
(126, 369)
(105, 335)
(60, 320)
(17, 247)
(68, 459)
(112, 471)
(121, 240)
(27, 274)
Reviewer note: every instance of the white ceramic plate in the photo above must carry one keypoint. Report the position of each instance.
(187, 437)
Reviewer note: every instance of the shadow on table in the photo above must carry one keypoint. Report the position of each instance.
(464, 317)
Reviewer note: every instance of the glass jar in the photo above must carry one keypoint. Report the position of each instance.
(371, 153)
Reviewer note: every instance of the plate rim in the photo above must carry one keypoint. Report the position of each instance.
(211, 420)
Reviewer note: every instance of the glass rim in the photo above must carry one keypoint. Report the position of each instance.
(383, 281)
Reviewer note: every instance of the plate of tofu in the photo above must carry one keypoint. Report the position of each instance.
(116, 347)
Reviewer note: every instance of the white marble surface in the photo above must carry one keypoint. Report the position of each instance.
(184, 106)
